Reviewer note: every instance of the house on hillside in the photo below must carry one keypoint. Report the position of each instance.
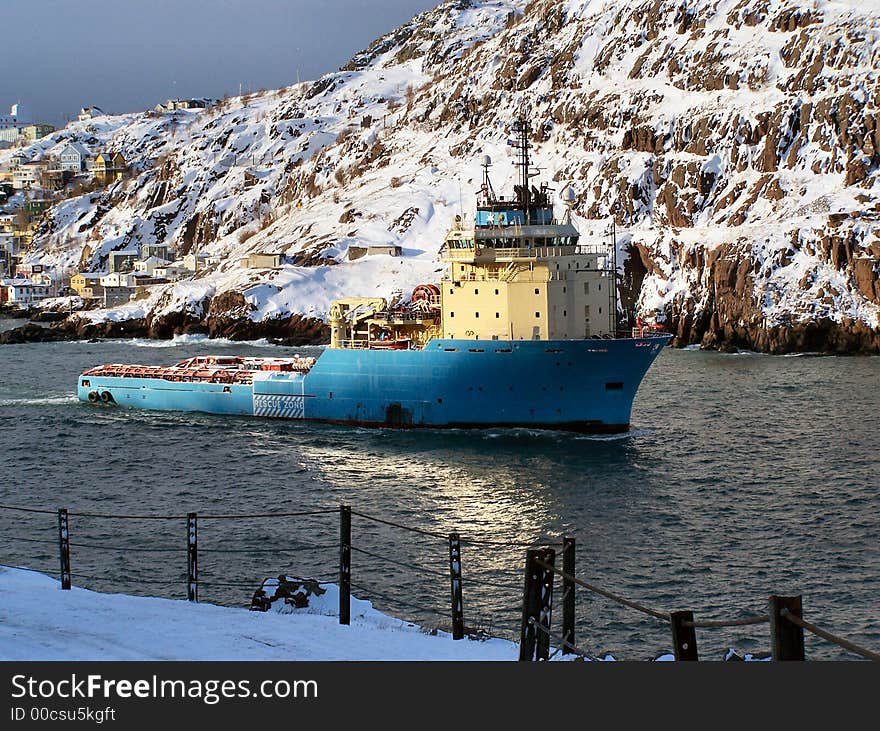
(73, 158)
(29, 175)
(87, 113)
(149, 264)
(160, 251)
(108, 167)
(173, 105)
(23, 292)
(357, 252)
(85, 281)
(172, 272)
(263, 261)
(121, 261)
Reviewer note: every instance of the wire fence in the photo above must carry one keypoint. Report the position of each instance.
(784, 617)
(432, 575)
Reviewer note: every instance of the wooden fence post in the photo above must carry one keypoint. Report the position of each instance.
(786, 638)
(455, 579)
(542, 650)
(192, 557)
(531, 608)
(344, 564)
(684, 638)
(568, 566)
(64, 547)
(534, 644)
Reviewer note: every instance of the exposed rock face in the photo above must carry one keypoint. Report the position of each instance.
(736, 143)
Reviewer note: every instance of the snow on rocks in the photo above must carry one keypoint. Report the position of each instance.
(724, 131)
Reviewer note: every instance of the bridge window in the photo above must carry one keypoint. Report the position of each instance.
(537, 291)
(537, 314)
(452, 314)
(497, 315)
(476, 291)
(477, 315)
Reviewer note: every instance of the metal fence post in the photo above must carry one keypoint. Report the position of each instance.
(64, 547)
(344, 564)
(192, 557)
(455, 580)
(684, 637)
(786, 638)
(568, 609)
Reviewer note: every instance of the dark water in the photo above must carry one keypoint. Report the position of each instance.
(745, 475)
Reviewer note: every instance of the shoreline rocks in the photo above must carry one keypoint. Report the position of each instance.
(292, 331)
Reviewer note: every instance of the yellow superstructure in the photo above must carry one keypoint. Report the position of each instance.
(538, 284)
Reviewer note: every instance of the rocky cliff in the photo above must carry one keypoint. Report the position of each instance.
(736, 144)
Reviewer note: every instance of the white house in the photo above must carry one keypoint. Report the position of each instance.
(149, 265)
(118, 279)
(172, 272)
(86, 113)
(29, 175)
(25, 292)
(73, 157)
(189, 261)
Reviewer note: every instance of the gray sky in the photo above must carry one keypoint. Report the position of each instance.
(128, 55)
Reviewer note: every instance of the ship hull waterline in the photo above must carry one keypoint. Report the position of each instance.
(574, 385)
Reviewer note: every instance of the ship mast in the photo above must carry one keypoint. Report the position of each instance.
(521, 143)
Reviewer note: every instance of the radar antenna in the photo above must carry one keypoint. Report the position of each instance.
(487, 190)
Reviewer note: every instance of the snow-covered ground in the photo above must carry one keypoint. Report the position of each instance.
(39, 621)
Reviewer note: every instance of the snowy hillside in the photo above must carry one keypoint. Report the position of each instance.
(735, 142)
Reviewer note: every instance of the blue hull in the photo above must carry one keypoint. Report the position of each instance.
(582, 385)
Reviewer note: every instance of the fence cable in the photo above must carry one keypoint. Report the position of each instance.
(127, 549)
(435, 572)
(30, 540)
(378, 595)
(28, 510)
(321, 511)
(421, 531)
(23, 568)
(607, 594)
(825, 635)
(293, 549)
(511, 544)
(128, 580)
(706, 623)
(559, 640)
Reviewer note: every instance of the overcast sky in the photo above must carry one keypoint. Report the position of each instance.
(128, 55)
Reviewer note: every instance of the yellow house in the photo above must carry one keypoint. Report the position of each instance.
(109, 167)
(85, 280)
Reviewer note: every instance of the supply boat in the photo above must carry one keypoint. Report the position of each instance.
(521, 331)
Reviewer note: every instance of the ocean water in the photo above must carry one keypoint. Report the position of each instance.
(744, 475)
